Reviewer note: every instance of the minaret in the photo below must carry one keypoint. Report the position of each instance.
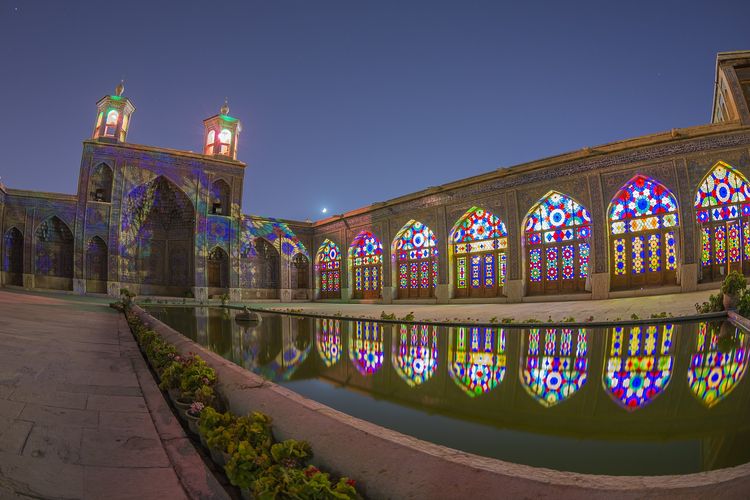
(113, 116)
(221, 134)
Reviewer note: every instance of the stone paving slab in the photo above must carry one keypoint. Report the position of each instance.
(74, 415)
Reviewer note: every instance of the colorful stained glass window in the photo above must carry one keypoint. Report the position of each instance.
(563, 226)
(415, 353)
(642, 197)
(478, 225)
(670, 247)
(554, 367)
(733, 242)
(720, 245)
(328, 340)
(366, 347)
(620, 258)
(112, 117)
(461, 272)
(477, 358)
(416, 244)
(714, 373)
(639, 365)
(722, 186)
(328, 267)
(479, 242)
(366, 259)
(706, 246)
(225, 136)
(654, 253)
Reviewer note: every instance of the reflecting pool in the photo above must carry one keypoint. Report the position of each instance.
(629, 400)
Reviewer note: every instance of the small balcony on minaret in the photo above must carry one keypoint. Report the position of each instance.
(113, 117)
(221, 134)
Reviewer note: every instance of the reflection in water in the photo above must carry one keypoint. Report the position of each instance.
(295, 347)
(588, 433)
(636, 379)
(415, 353)
(366, 347)
(328, 340)
(714, 374)
(555, 375)
(477, 356)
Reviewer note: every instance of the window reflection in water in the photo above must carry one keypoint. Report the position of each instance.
(477, 358)
(719, 363)
(640, 364)
(366, 347)
(328, 340)
(555, 366)
(415, 353)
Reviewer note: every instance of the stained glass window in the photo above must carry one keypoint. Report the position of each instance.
(555, 364)
(477, 358)
(722, 206)
(415, 353)
(480, 237)
(110, 127)
(557, 232)
(642, 216)
(415, 253)
(366, 258)
(714, 372)
(328, 269)
(210, 139)
(328, 340)
(366, 347)
(639, 365)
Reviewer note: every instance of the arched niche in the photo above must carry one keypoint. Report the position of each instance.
(100, 184)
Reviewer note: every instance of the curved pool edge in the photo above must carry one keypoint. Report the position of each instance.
(388, 464)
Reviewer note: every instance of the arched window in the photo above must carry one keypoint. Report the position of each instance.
(366, 347)
(714, 372)
(96, 265)
(111, 125)
(722, 208)
(642, 222)
(554, 367)
(225, 141)
(477, 358)
(558, 230)
(210, 140)
(479, 242)
(218, 268)
(300, 272)
(640, 366)
(415, 253)
(101, 184)
(220, 198)
(328, 270)
(54, 249)
(13, 257)
(415, 353)
(328, 340)
(267, 266)
(366, 260)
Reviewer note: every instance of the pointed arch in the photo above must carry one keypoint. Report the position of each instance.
(53, 254)
(328, 340)
(366, 349)
(722, 211)
(96, 265)
(100, 184)
(13, 256)
(554, 368)
(640, 366)
(218, 268)
(415, 353)
(414, 250)
(157, 238)
(220, 198)
(300, 271)
(557, 235)
(267, 269)
(477, 358)
(714, 372)
(328, 270)
(479, 245)
(366, 265)
(643, 219)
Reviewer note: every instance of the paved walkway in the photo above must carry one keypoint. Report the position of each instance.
(78, 408)
(680, 304)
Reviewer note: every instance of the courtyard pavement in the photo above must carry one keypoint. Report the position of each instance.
(679, 304)
(80, 414)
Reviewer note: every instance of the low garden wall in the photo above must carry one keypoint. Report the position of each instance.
(388, 464)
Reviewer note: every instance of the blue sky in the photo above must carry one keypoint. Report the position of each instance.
(345, 103)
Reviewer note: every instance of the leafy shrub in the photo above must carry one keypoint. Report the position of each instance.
(383, 315)
(715, 304)
(211, 419)
(196, 373)
(734, 283)
(743, 306)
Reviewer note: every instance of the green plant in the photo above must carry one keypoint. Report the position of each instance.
(310, 483)
(532, 320)
(569, 319)
(172, 374)
(211, 419)
(408, 317)
(224, 299)
(196, 374)
(383, 315)
(291, 453)
(715, 304)
(205, 394)
(506, 321)
(493, 319)
(662, 314)
(634, 316)
(734, 283)
(743, 306)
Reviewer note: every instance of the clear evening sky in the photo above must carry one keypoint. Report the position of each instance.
(345, 103)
